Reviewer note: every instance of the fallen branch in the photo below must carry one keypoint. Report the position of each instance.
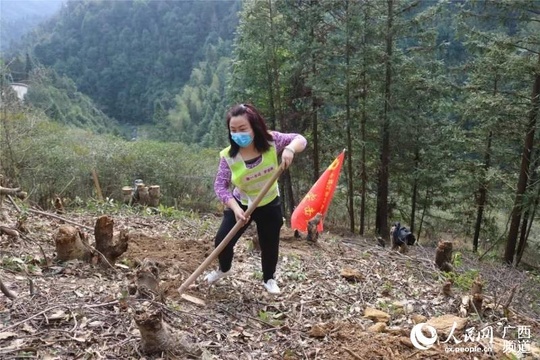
(9, 231)
(55, 307)
(12, 191)
(14, 203)
(352, 353)
(49, 214)
(60, 218)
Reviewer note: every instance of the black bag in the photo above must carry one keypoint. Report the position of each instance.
(402, 235)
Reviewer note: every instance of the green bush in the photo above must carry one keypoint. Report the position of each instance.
(52, 160)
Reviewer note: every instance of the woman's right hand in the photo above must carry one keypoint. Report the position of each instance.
(240, 215)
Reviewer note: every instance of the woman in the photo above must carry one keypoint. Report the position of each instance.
(247, 164)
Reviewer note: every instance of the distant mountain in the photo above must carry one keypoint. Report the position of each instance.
(18, 17)
(132, 57)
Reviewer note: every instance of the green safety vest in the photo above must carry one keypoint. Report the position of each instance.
(251, 181)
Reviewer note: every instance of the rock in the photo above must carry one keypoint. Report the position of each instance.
(376, 315)
(317, 331)
(417, 318)
(444, 324)
(351, 275)
(377, 328)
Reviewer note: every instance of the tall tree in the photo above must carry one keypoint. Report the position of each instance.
(524, 171)
(381, 217)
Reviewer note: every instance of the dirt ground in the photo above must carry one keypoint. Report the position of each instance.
(83, 311)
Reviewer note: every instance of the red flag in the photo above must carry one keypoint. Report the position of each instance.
(318, 199)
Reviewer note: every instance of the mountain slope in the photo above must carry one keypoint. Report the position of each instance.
(322, 313)
(18, 17)
(131, 57)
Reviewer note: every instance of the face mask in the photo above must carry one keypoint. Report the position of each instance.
(243, 139)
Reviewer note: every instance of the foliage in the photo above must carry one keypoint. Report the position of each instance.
(19, 17)
(451, 80)
(128, 56)
(65, 169)
(58, 98)
(462, 280)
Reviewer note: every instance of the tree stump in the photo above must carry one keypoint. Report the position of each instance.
(145, 282)
(127, 193)
(142, 195)
(59, 205)
(154, 193)
(71, 244)
(443, 256)
(106, 243)
(477, 295)
(312, 233)
(157, 336)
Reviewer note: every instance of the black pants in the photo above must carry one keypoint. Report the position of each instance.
(269, 220)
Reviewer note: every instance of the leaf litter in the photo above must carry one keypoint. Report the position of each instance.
(343, 297)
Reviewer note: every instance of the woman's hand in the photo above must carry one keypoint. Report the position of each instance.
(240, 215)
(287, 156)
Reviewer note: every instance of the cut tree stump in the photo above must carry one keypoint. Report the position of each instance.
(71, 244)
(142, 196)
(157, 336)
(154, 194)
(312, 233)
(145, 282)
(443, 256)
(477, 295)
(127, 193)
(106, 243)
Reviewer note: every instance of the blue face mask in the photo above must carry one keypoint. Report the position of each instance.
(243, 139)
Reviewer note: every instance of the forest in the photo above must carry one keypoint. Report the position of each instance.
(433, 139)
(435, 102)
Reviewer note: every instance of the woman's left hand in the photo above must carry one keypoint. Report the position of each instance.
(287, 157)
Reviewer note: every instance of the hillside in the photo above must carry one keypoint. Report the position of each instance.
(20, 17)
(325, 311)
(132, 57)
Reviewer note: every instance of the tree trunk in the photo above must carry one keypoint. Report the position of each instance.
(105, 243)
(363, 170)
(382, 192)
(521, 246)
(482, 193)
(71, 244)
(142, 196)
(348, 121)
(523, 174)
(315, 120)
(531, 206)
(415, 187)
